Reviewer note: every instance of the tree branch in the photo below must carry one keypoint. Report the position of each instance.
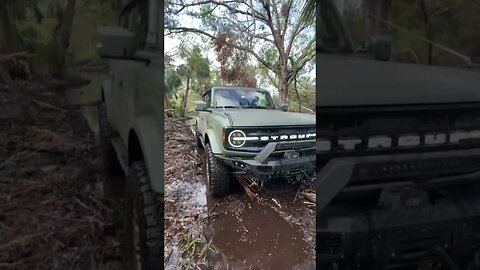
(233, 45)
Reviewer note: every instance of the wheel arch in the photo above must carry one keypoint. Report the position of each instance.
(145, 143)
(214, 141)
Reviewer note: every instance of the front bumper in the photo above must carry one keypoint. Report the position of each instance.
(273, 164)
(403, 238)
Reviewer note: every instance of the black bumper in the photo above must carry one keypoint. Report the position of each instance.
(401, 239)
(275, 168)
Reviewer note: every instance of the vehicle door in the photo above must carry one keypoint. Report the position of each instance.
(202, 115)
(134, 18)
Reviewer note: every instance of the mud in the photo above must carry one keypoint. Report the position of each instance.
(266, 231)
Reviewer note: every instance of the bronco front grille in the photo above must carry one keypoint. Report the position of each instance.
(415, 167)
(290, 137)
(358, 131)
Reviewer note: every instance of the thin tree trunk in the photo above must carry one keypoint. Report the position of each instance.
(298, 94)
(185, 98)
(5, 29)
(166, 103)
(283, 83)
(428, 30)
(63, 33)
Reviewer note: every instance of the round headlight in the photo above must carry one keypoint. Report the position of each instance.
(236, 138)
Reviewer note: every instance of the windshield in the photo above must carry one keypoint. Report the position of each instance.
(243, 98)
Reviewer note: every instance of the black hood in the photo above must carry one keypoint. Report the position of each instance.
(353, 81)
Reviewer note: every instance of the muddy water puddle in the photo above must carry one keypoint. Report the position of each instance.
(252, 235)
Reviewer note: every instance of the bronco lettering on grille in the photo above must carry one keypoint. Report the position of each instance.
(408, 140)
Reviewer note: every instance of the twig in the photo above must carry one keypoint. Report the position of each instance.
(85, 206)
(100, 203)
(213, 208)
(47, 105)
(296, 195)
(8, 160)
(19, 240)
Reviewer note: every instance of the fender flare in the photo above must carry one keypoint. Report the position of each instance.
(213, 139)
(105, 90)
(150, 135)
(105, 93)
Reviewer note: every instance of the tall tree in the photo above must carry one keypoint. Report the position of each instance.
(5, 28)
(196, 69)
(63, 32)
(172, 80)
(256, 27)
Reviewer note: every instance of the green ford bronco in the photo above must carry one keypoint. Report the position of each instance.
(242, 131)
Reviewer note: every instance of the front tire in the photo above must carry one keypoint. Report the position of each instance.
(144, 221)
(216, 174)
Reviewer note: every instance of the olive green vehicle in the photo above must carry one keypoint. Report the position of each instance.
(242, 131)
(131, 127)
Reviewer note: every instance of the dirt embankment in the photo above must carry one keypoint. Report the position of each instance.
(52, 215)
(185, 205)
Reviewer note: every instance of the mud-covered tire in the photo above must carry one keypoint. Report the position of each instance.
(217, 175)
(112, 187)
(143, 222)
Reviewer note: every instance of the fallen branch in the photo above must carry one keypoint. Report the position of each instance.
(19, 240)
(8, 160)
(11, 56)
(49, 106)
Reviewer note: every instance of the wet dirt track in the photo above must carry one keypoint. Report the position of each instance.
(244, 232)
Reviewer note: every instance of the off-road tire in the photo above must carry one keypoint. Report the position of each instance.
(144, 221)
(217, 175)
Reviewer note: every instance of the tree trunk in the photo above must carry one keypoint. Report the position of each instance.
(5, 29)
(298, 95)
(283, 90)
(185, 98)
(63, 32)
(166, 103)
(428, 30)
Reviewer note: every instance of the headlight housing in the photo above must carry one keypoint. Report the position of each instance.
(253, 139)
(237, 138)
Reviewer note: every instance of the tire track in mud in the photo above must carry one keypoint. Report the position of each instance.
(271, 232)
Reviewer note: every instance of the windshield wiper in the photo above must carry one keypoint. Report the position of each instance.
(227, 107)
(256, 107)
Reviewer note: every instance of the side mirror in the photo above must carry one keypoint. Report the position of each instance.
(115, 42)
(381, 47)
(284, 107)
(200, 106)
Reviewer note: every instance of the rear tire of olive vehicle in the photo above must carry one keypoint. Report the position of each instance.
(217, 175)
(112, 185)
(143, 222)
